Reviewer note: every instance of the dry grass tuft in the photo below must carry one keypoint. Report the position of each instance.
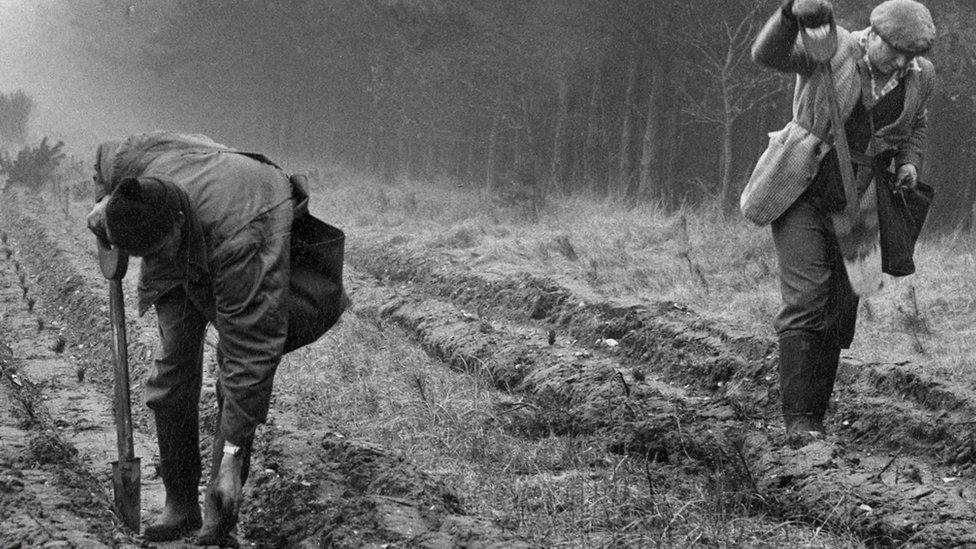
(930, 313)
(565, 247)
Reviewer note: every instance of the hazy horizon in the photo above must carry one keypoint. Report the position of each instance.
(36, 55)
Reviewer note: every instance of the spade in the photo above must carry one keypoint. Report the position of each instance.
(126, 474)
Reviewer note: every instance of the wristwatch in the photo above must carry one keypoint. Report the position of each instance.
(232, 450)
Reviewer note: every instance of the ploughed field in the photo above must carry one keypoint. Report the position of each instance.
(465, 404)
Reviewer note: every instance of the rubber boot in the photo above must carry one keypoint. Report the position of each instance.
(179, 464)
(799, 358)
(824, 381)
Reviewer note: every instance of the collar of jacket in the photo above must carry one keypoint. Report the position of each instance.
(810, 104)
(877, 92)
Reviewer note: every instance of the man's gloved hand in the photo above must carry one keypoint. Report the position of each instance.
(907, 177)
(813, 13)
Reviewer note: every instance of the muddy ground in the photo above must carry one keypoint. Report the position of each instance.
(663, 383)
(656, 382)
(310, 486)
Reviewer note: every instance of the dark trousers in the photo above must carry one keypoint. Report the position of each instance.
(817, 297)
(174, 383)
(250, 314)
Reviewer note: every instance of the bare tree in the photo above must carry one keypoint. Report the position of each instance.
(626, 130)
(726, 83)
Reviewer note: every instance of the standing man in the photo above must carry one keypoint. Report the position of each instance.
(213, 227)
(883, 84)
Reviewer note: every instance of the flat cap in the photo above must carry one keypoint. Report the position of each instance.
(904, 24)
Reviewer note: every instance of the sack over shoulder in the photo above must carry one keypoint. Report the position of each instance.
(901, 216)
(782, 173)
(316, 298)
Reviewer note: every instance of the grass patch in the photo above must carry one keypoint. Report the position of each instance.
(725, 269)
(562, 491)
(722, 268)
(370, 381)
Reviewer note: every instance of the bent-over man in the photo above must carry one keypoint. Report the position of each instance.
(213, 226)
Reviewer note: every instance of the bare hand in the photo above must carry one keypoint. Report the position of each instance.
(812, 14)
(907, 176)
(222, 504)
(96, 221)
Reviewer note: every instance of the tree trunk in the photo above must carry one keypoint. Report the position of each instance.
(606, 159)
(388, 150)
(593, 128)
(389, 161)
(725, 174)
(650, 164)
(429, 161)
(446, 161)
(403, 151)
(469, 167)
(577, 154)
(456, 159)
(970, 203)
(672, 139)
(557, 169)
(460, 161)
(623, 155)
(411, 160)
(492, 154)
(380, 161)
(526, 150)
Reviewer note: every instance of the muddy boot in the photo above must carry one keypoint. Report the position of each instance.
(799, 355)
(824, 381)
(179, 465)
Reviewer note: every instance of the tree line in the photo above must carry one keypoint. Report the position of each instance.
(631, 99)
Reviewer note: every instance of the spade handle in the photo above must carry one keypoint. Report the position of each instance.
(120, 354)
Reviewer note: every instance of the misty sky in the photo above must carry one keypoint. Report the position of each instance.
(36, 55)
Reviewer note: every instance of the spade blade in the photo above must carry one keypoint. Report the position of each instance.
(127, 481)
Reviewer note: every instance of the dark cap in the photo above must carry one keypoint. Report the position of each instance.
(139, 214)
(904, 24)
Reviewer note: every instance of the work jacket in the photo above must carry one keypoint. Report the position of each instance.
(790, 162)
(227, 190)
(233, 261)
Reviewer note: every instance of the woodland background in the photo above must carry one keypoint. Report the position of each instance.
(633, 100)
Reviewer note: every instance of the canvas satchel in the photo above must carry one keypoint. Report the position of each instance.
(782, 173)
(316, 297)
(901, 216)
